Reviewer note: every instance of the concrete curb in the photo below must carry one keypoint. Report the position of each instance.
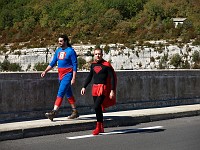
(19, 130)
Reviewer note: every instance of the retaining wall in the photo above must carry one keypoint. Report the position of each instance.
(27, 95)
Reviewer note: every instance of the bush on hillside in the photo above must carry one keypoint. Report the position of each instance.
(7, 66)
(176, 60)
(81, 63)
(40, 66)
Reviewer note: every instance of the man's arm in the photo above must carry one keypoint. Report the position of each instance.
(45, 71)
(73, 78)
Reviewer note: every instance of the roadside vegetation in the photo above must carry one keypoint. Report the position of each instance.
(97, 21)
(32, 24)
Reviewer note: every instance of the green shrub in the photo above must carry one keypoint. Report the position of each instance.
(106, 49)
(81, 62)
(7, 66)
(196, 57)
(176, 60)
(163, 62)
(186, 65)
(40, 66)
(161, 65)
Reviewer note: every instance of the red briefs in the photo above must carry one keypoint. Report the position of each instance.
(101, 89)
(98, 89)
(63, 71)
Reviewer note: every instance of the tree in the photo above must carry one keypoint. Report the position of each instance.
(110, 19)
(6, 19)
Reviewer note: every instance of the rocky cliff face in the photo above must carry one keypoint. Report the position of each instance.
(121, 57)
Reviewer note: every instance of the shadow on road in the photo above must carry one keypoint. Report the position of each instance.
(138, 130)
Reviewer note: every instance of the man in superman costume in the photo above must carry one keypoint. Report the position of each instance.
(103, 89)
(66, 58)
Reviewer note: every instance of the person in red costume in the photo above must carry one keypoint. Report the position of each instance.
(103, 89)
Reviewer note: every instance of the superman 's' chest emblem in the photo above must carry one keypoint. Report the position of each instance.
(97, 69)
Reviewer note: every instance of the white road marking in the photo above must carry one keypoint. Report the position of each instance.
(115, 132)
(80, 137)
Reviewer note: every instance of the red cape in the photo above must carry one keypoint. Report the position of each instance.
(107, 101)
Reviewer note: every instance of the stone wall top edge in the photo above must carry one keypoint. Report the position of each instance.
(137, 70)
(82, 74)
(148, 71)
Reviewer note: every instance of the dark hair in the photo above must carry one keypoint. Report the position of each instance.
(66, 39)
(99, 49)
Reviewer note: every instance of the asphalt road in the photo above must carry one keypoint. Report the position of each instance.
(174, 134)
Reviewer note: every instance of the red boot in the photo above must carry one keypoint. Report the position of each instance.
(97, 130)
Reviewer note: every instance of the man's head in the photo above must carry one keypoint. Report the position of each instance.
(98, 54)
(63, 41)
